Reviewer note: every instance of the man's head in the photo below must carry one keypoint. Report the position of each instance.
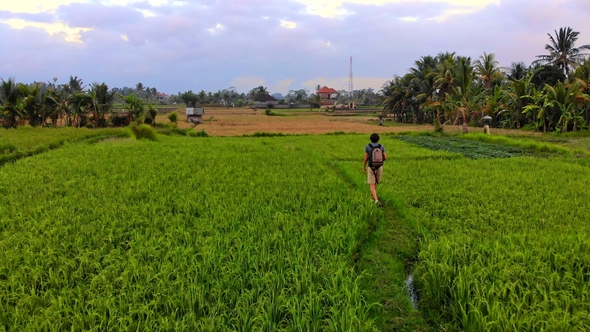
(374, 138)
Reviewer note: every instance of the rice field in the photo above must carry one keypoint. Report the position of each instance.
(261, 233)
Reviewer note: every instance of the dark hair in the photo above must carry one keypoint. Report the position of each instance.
(374, 138)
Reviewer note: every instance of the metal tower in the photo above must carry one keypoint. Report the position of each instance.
(350, 87)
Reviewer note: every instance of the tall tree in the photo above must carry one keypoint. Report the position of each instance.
(8, 99)
(517, 71)
(139, 88)
(102, 100)
(562, 50)
(135, 106)
(488, 70)
(75, 85)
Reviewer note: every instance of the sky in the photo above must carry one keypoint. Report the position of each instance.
(176, 45)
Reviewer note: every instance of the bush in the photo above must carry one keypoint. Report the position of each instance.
(144, 131)
(7, 148)
(149, 121)
(269, 112)
(173, 117)
(193, 133)
(265, 134)
(118, 120)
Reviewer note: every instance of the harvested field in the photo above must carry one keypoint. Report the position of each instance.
(244, 121)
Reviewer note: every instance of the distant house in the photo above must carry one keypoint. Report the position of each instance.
(265, 101)
(327, 95)
(162, 98)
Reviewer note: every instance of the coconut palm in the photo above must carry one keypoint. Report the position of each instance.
(8, 99)
(135, 106)
(488, 70)
(102, 101)
(516, 97)
(463, 92)
(517, 71)
(562, 50)
(75, 85)
(316, 100)
(139, 88)
(79, 105)
(444, 75)
(567, 99)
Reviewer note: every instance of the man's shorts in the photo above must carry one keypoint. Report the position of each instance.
(371, 175)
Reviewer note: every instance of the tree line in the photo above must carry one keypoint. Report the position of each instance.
(552, 94)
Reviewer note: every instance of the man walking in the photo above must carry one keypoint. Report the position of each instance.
(374, 156)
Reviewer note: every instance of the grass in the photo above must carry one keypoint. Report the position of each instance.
(28, 141)
(279, 233)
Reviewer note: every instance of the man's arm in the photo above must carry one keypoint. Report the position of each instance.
(384, 156)
(365, 162)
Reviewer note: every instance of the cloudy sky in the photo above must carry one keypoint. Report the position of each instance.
(281, 44)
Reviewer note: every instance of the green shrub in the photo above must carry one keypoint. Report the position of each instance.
(153, 113)
(264, 134)
(148, 120)
(7, 148)
(144, 131)
(173, 117)
(194, 133)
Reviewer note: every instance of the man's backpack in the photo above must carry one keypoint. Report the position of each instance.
(376, 156)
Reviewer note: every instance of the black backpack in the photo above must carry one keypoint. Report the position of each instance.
(376, 156)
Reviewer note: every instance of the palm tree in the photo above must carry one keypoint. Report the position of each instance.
(257, 92)
(75, 85)
(102, 100)
(8, 99)
(79, 104)
(538, 109)
(487, 69)
(316, 100)
(567, 99)
(516, 97)
(562, 50)
(583, 73)
(463, 94)
(134, 105)
(517, 71)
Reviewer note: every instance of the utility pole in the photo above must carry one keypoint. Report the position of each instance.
(350, 87)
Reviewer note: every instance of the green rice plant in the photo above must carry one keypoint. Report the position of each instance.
(194, 248)
(173, 117)
(194, 133)
(144, 131)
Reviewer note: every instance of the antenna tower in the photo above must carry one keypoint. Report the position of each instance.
(350, 87)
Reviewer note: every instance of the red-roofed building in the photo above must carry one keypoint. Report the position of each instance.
(328, 95)
(162, 97)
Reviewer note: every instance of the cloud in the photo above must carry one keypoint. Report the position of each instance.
(213, 44)
(35, 6)
(284, 85)
(70, 34)
(341, 8)
(246, 84)
(288, 24)
(216, 29)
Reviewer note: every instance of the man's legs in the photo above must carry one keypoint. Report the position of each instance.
(374, 191)
(374, 177)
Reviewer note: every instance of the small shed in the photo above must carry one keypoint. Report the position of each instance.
(194, 114)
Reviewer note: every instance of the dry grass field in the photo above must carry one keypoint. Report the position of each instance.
(244, 121)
